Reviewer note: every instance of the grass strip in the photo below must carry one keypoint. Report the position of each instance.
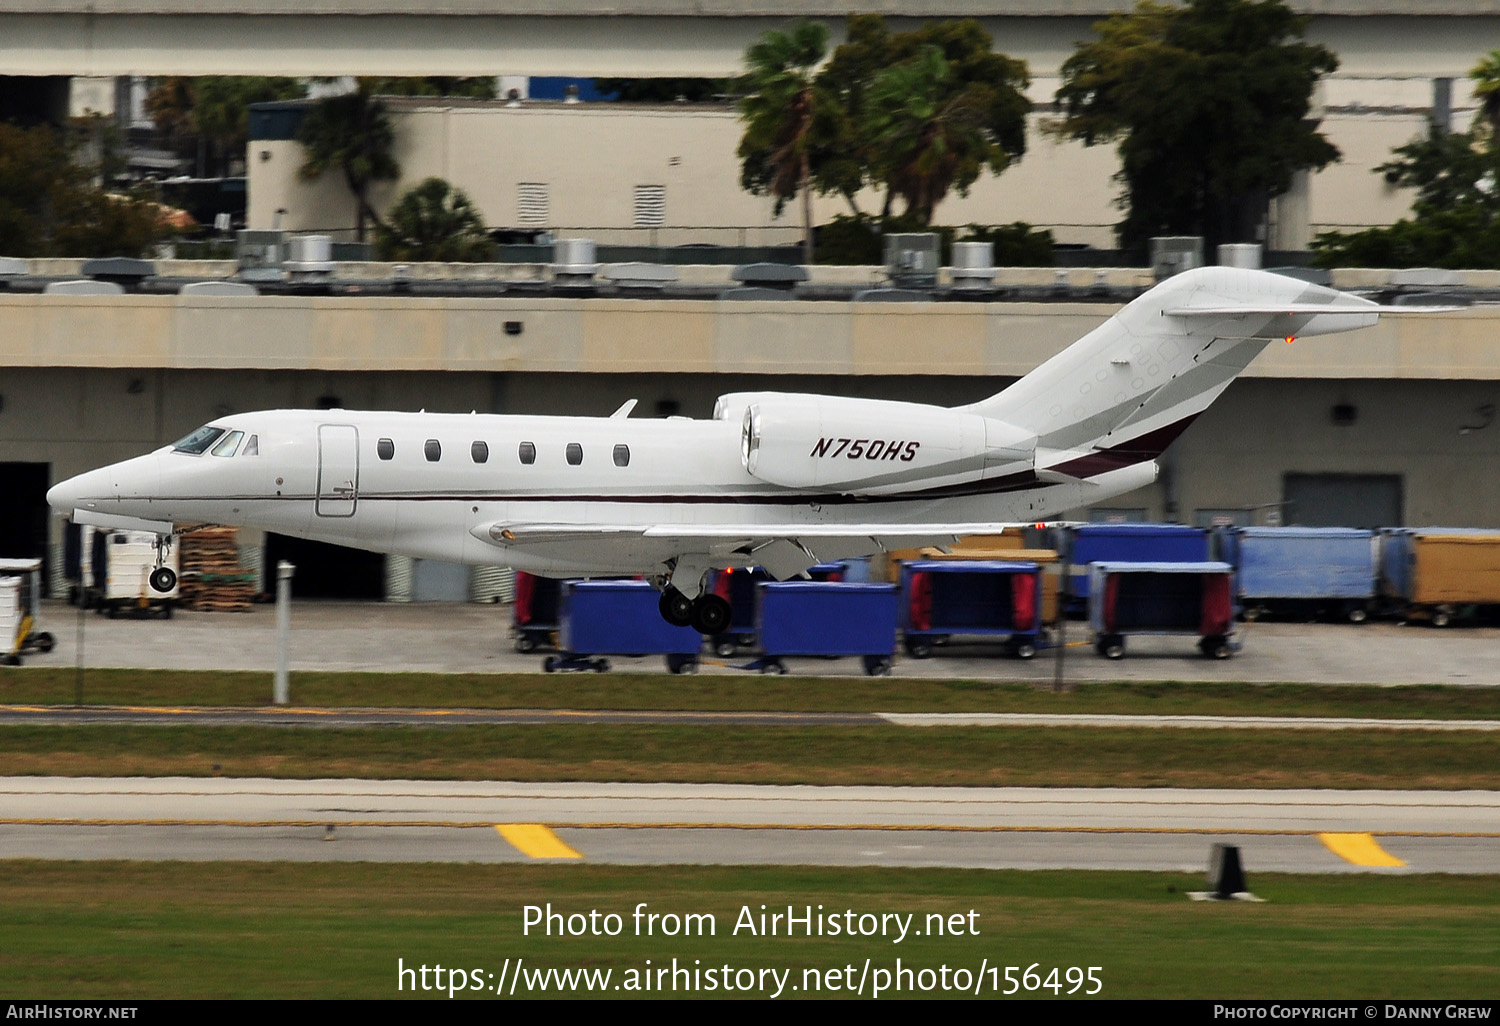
(965, 756)
(720, 692)
(124, 931)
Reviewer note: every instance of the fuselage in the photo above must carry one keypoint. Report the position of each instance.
(423, 484)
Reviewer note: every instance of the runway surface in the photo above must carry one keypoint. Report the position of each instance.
(1086, 828)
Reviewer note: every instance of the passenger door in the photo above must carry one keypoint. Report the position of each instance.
(338, 470)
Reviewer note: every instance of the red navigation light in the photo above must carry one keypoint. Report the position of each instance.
(1290, 339)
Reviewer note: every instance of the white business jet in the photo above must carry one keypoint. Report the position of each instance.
(777, 480)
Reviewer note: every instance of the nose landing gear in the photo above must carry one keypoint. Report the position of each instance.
(163, 578)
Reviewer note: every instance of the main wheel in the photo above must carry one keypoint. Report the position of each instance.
(676, 608)
(163, 579)
(710, 614)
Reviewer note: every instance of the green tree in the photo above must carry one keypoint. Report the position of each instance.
(351, 133)
(49, 205)
(785, 113)
(433, 221)
(1486, 78)
(1455, 218)
(209, 117)
(953, 114)
(1208, 103)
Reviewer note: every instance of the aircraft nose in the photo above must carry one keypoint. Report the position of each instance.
(66, 496)
(105, 487)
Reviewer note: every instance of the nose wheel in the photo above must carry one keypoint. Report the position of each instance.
(163, 579)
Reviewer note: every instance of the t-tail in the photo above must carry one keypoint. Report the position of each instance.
(1120, 395)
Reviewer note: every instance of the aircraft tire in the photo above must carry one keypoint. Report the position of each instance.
(710, 615)
(163, 579)
(676, 608)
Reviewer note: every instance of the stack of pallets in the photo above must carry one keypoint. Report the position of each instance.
(212, 578)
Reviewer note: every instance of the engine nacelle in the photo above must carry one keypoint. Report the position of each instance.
(871, 446)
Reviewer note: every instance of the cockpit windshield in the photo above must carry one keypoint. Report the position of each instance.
(197, 443)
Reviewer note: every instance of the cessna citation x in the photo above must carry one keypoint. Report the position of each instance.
(777, 480)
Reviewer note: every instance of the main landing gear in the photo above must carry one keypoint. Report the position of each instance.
(706, 614)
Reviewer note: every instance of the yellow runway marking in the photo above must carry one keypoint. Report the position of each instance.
(536, 841)
(1360, 849)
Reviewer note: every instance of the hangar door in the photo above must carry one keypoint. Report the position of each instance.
(23, 510)
(1343, 500)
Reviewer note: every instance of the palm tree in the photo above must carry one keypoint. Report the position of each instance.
(1486, 76)
(785, 112)
(434, 221)
(929, 137)
(352, 133)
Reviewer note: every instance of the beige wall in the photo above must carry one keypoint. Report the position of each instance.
(601, 336)
(592, 156)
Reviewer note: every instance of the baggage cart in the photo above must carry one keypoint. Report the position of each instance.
(988, 598)
(115, 577)
(20, 600)
(600, 618)
(1162, 598)
(737, 587)
(825, 618)
(534, 614)
(1309, 571)
(1439, 573)
(1082, 544)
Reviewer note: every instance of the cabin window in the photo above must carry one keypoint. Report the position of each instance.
(480, 451)
(622, 455)
(385, 449)
(432, 450)
(252, 447)
(575, 454)
(230, 443)
(197, 443)
(528, 453)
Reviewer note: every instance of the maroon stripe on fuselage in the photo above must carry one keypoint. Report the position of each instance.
(1127, 454)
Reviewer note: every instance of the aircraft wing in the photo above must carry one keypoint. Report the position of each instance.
(783, 549)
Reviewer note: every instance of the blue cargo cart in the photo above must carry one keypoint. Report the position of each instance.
(825, 618)
(534, 615)
(1082, 544)
(1307, 571)
(737, 587)
(599, 618)
(1162, 598)
(941, 598)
